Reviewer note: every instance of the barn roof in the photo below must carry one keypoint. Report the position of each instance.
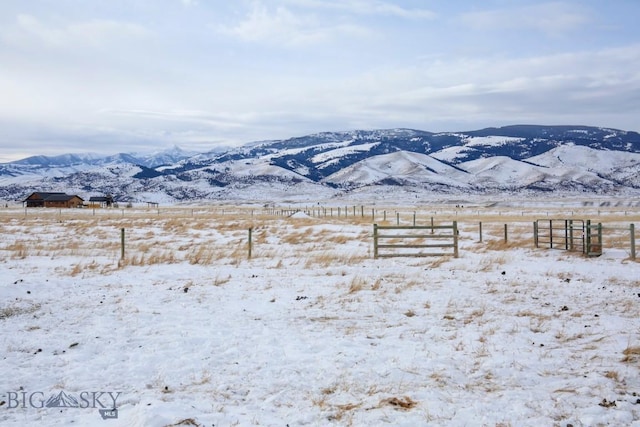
(43, 194)
(61, 197)
(52, 197)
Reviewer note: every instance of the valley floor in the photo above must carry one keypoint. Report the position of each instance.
(183, 328)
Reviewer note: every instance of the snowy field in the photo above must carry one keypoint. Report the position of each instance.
(186, 330)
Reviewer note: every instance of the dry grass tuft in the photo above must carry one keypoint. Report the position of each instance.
(202, 255)
(219, 281)
(613, 375)
(19, 250)
(399, 402)
(357, 284)
(474, 315)
(631, 354)
(337, 238)
(501, 245)
(14, 310)
(185, 422)
(437, 262)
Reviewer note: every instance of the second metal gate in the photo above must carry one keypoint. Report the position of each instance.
(569, 234)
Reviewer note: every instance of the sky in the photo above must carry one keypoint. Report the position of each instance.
(115, 76)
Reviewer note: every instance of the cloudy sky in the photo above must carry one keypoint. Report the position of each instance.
(139, 75)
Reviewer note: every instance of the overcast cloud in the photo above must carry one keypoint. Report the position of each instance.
(138, 75)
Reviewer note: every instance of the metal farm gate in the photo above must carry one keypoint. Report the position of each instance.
(415, 241)
(569, 234)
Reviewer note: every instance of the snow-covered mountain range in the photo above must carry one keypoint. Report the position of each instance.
(522, 158)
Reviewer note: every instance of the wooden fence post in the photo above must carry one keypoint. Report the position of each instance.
(397, 218)
(455, 239)
(250, 242)
(122, 243)
(632, 230)
(480, 230)
(375, 241)
(505, 233)
(535, 233)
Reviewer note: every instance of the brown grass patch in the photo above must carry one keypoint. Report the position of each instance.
(631, 354)
(14, 310)
(357, 284)
(399, 402)
(185, 422)
(613, 375)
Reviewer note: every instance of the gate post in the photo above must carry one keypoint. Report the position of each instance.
(587, 243)
(571, 235)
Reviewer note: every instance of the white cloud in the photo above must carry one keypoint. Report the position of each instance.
(549, 18)
(28, 29)
(283, 27)
(367, 7)
(156, 74)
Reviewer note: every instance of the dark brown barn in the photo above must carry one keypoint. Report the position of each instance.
(53, 200)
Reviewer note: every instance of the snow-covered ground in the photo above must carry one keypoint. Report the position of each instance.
(312, 331)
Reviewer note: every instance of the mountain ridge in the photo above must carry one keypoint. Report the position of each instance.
(531, 158)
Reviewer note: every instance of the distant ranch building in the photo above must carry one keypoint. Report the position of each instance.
(53, 200)
(102, 201)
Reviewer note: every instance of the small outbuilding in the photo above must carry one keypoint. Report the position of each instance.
(41, 199)
(102, 201)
